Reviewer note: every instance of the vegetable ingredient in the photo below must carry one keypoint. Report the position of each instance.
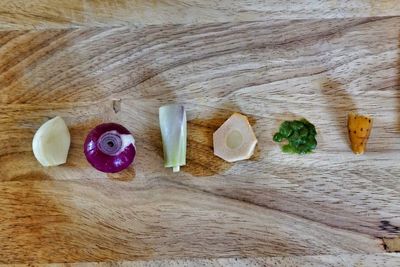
(235, 139)
(299, 136)
(110, 148)
(51, 143)
(173, 127)
(359, 127)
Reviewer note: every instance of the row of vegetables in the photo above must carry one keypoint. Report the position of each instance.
(110, 147)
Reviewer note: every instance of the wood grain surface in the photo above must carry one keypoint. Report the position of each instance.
(271, 210)
(381, 259)
(44, 14)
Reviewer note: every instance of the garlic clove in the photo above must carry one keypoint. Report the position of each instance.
(51, 143)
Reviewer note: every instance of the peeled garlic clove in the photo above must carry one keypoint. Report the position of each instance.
(51, 142)
(235, 139)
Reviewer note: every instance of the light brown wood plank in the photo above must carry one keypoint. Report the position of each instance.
(44, 14)
(305, 261)
(318, 57)
(58, 221)
(330, 202)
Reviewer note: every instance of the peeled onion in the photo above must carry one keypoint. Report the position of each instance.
(51, 143)
(110, 148)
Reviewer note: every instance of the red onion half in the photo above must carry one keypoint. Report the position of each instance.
(110, 148)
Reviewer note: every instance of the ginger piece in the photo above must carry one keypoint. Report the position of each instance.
(359, 127)
(235, 139)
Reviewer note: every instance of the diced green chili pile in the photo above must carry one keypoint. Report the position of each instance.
(300, 136)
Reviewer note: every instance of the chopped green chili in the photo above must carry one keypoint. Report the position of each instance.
(300, 136)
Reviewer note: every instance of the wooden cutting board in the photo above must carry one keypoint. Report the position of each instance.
(101, 61)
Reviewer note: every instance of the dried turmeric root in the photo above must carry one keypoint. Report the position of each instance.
(359, 130)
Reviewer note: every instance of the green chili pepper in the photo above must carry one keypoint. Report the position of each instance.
(303, 132)
(288, 149)
(285, 130)
(278, 137)
(296, 125)
(300, 135)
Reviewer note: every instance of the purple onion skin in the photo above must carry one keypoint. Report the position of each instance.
(108, 162)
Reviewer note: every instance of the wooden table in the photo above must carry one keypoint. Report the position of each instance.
(97, 61)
